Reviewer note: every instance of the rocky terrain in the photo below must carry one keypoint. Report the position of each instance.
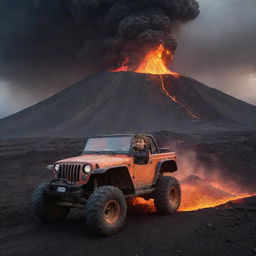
(229, 229)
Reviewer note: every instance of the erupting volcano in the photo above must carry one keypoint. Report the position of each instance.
(135, 37)
(120, 102)
(155, 62)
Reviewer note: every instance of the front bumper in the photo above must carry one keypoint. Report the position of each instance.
(61, 187)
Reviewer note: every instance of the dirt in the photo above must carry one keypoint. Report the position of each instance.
(229, 229)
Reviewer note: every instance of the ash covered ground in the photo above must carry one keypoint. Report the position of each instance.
(225, 230)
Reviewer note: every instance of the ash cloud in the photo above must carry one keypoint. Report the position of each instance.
(47, 45)
(130, 28)
(39, 45)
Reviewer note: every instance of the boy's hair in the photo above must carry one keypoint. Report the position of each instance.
(141, 137)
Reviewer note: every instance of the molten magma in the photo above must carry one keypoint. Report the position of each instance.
(173, 98)
(154, 62)
(193, 198)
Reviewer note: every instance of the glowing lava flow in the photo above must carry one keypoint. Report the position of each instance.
(173, 98)
(155, 63)
(188, 203)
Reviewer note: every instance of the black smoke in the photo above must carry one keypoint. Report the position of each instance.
(47, 45)
(117, 29)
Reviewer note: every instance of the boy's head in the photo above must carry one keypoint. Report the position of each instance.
(140, 141)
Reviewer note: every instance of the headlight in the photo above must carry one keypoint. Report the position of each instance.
(56, 167)
(87, 168)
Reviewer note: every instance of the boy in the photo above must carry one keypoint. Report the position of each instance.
(140, 151)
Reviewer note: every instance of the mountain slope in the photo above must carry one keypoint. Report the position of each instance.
(129, 102)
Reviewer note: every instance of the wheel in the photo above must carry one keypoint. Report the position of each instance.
(45, 206)
(106, 210)
(167, 195)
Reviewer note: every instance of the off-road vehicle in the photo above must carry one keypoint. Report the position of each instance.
(103, 178)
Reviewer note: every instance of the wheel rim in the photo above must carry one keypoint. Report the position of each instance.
(111, 212)
(174, 197)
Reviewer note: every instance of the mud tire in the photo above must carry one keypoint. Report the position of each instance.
(45, 206)
(106, 210)
(167, 195)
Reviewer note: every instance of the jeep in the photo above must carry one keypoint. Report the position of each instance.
(103, 178)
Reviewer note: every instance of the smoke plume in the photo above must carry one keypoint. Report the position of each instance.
(128, 29)
(47, 45)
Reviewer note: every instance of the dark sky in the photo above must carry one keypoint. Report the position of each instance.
(40, 50)
(219, 47)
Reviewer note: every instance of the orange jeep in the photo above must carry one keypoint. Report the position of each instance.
(103, 178)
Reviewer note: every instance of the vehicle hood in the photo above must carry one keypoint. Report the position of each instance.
(102, 160)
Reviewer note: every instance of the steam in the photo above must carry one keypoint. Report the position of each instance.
(213, 173)
(128, 29)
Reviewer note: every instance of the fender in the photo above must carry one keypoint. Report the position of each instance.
(118, 176)
(165, 166)
(104, 170)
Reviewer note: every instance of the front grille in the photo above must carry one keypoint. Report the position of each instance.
(70, 172)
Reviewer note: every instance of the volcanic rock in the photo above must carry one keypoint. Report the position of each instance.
(243, 204)
(118, 102)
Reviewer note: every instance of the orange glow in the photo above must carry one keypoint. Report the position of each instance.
(193, 198)
(196, 197)
(148, 205)
(173, 98)
(124, 66)
(154, 63)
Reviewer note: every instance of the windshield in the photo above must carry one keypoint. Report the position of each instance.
(119, 144)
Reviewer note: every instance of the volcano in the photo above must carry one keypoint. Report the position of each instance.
(119, 102)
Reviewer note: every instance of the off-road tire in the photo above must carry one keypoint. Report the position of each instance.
(106, 210)
(167, 195)
(45, 206)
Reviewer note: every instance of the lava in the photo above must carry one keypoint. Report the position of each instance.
(155, 62)
(200, 197)
(173, 98)
(187, 204)
(196, 194)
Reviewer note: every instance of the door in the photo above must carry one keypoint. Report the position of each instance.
(143, 174)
